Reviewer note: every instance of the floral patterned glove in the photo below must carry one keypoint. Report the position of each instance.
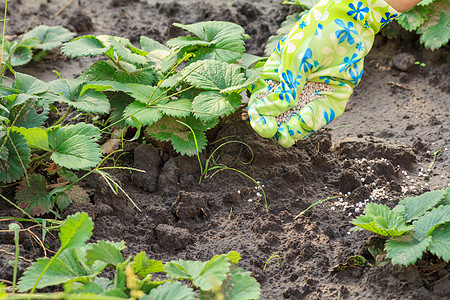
(327, 45)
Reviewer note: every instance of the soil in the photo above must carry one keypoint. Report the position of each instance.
(379, 150)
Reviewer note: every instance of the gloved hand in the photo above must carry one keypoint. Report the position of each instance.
(327, 45)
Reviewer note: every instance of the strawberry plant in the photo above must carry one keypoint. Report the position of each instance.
(431, 20)
(416, 225)
(79, 266)
(195, 79)
(34, 44)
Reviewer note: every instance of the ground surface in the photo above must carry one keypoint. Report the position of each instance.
(380, 150)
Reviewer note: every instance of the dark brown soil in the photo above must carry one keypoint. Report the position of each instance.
(379, 150)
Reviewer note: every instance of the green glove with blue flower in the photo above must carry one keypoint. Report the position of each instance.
(324, 51)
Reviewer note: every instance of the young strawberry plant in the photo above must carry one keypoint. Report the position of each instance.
(78, 266)
(430, 19)
(416, 225)
(194, 79)
(34, 44)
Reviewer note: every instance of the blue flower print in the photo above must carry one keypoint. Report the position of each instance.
(388, 19)
(305, 63)
(355, 75)
(286, 93)
(366, 24)
(279, 44)
(288, 79)
(302, 25)
(348, 62)
(326, 79)
(346, 32)
(262, 120)
(329, 117)
(360, 46)
(318, 29)
(316, 63)
(359, 11)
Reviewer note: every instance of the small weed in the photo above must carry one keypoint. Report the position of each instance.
(270, 258)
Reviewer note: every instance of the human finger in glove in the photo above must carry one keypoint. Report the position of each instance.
(320, 59)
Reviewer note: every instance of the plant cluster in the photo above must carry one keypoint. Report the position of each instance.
(34, 44)
(429, 18)
(175, 93)
(78, 266)
(416, 225)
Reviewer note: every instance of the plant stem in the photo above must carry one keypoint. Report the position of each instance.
(16, 229)
(3, 38)
(315, 203)
(45, 269)
(64, 116)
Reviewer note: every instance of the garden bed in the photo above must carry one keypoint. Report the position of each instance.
(380, 151)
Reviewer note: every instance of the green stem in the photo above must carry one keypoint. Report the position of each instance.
(3, 37)
(63, 117)
(41, 157)
(315, 203)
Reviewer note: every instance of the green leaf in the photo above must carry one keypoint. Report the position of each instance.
(170, 291)
(143, 266)
(106, 70)
(70, 265)
(87, 45)
(146, 115)
(254, 75)
(425, 2)
(105, 251)
(239, 286)
(177, 108)
(406, 250)
(76, 230)
(426, 224)
(203, 275)
(213, 75)
(447, 198)
(440, 245)
(216, 40)
(88, 130)
(249, 60)
(145, 94)
(381, 220)
(73, 151)
(234, 257)
(157, 52)
(25, 115)
(63, 197)
(417, 206)
(435, 32)
(14, 157)
(36, 137)
(125, 50)
(49, 37)
(168, 129)
(413, 18)
(210, 105)
(29, 84)
(72, 92)
(20, 54)
(32, 197)
(306, 4)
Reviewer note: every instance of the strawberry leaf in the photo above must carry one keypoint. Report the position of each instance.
(76, 230)
(414, 207)
(87, 45)
(20, 54)
(211, 105)
(104, 251)
(427, 223)
(440, 245)
(413, 18)
(203, 275)
(14, 157)
(143, 266)
(32, 197)
(213, 75)
(222, 41)
(49, 37)
(406, 250)
(146, 115)
(71, 92)
(36, 137)
(171, 290)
